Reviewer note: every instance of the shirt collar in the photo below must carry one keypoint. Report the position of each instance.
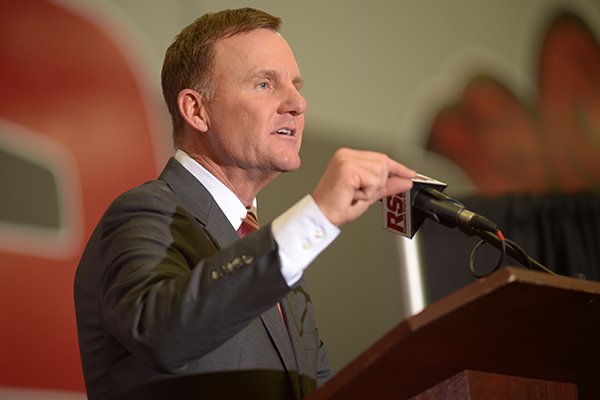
(232, 207)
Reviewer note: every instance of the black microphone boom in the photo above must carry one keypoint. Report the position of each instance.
(445, 210)
(404, 213)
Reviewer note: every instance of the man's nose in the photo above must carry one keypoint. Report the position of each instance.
(293, 102)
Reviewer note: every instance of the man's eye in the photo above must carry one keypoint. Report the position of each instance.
(263, 85)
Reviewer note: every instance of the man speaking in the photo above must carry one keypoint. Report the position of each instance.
(179, 292)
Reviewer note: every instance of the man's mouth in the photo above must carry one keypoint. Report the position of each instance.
(285, 131)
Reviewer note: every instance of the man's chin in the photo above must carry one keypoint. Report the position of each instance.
(291, 165)
(285, 161)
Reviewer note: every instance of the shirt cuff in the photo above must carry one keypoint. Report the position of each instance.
(302, 233)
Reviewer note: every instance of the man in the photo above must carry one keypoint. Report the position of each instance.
(171, 302)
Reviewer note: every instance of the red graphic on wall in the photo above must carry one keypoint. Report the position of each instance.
(507, 146)
(64, 80)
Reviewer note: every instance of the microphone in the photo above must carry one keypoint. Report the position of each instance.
(404, 213)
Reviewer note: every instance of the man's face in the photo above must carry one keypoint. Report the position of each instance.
(256, 118)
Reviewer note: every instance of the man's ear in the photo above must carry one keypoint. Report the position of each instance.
(192, 109)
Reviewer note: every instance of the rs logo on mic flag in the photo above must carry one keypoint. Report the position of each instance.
(397, 209)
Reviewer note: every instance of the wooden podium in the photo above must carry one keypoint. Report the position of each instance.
(516, 334)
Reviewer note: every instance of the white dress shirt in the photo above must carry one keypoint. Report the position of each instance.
(302, 232)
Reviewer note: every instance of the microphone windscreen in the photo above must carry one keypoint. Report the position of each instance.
(399, 216)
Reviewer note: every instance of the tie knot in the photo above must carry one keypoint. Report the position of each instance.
(249, 224)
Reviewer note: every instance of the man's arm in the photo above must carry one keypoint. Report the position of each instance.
(351, 183)
(355, 179)
(169, 295)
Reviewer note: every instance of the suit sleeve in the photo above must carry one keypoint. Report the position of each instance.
(169, 294)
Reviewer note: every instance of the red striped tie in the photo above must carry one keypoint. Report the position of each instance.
(249, 224)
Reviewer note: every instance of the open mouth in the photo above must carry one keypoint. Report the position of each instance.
(285, 132)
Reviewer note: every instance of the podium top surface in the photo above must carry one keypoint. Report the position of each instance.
(515, 322)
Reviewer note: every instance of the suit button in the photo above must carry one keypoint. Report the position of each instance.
(247, 259)
(227, 268)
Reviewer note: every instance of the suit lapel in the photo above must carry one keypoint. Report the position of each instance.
(294, 308)
(278, 332)
(196, 199)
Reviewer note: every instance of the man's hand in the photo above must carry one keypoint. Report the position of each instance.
(356, 179)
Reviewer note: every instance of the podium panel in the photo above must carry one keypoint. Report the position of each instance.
(475, 385)
(514, 322)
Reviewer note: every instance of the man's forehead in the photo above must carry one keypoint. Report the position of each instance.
(251, 37)
(259, 51)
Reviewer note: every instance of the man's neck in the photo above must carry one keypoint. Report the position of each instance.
(242, 182)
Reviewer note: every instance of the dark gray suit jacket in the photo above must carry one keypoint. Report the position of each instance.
(172, 304)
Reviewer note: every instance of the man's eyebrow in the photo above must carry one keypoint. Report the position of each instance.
(272, 74)
(264, 73)
(298, 82)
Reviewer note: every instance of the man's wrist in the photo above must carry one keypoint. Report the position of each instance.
(302, 232)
